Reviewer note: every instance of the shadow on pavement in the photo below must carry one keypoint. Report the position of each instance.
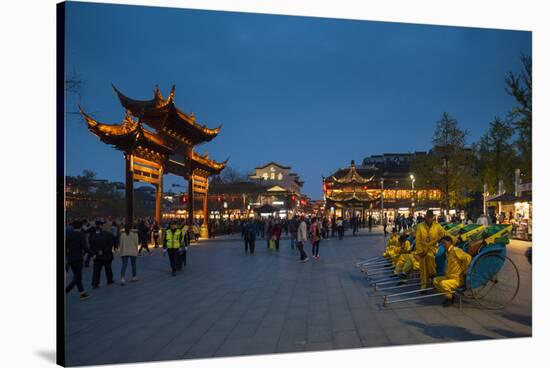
(519, 318)
(440, 331)
(507, 333)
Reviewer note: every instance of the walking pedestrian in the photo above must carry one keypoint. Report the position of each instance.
(340, 226)
(324, 228)
(128, 252)
(250, 237)
(302, 238)
(156, 232)
(385, 224)
(101, 248)
(75, 247)
(116, 233)
(315, 237)
(246, 236)
(262, 227)
(88, 231)
(268, 231)
(370, 223)
(293, 229)
(172, 243)
(354, 224)
(277, 230)
(143, 236)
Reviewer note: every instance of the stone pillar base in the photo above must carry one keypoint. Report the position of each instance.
(204, 231)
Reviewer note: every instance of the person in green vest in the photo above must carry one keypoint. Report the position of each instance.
(172, 244)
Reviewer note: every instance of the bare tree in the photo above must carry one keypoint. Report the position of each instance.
(232, 175)
(521, 88)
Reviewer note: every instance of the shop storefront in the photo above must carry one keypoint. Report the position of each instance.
(517, 211)
(523, 220)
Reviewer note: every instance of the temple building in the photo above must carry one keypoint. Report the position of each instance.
(383, 184)
(271, 190)
(158, 138)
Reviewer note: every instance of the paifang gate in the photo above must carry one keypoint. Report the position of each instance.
(167, 147)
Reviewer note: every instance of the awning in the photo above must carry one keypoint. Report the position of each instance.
(510, 198)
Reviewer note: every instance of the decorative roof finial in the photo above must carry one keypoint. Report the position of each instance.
(172, 90)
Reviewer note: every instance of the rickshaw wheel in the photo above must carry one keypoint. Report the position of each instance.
(494, 281)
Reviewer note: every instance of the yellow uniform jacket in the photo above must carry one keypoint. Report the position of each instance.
(457, 263)
(427, 238)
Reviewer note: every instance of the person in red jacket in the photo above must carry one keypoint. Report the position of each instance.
(277, 229)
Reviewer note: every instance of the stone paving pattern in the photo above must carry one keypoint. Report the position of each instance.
(226, 303)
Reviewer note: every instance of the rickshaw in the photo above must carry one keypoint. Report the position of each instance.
(492, 279)
(382, 276)
(382, 266)
(462, 233)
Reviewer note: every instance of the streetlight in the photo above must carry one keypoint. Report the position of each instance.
(412, 193)
(382, 200)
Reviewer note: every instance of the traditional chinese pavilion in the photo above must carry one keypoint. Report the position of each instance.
(167, 146)
(378, 186)
(347, 189)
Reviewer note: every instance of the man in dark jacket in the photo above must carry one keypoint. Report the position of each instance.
(75, 247)
(143, 236)
(293, 229)
(101, 247)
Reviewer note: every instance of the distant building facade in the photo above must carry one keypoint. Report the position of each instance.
(382, 185)
(271, 190)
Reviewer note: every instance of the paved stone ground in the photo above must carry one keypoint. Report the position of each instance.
(228, 303)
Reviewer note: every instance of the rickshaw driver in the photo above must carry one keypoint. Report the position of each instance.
(428, 234)
(403, 247)
(457, 265)
(393, 243)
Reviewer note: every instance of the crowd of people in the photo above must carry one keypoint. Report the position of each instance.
(101, 241)
(300, 230)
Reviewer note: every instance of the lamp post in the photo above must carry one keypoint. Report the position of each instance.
(382, 200)
(412, 194)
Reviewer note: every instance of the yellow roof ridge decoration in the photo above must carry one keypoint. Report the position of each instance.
(352, 176)
(205, 160)
(127, 134)
(162, 113)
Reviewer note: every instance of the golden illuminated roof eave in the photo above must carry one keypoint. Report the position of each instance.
(209, 163)
(129, 130)
(161, 110)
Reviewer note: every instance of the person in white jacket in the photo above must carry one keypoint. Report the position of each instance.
(302, 238)
(128, 247)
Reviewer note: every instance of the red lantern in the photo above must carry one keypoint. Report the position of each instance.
(184, 199)
(293, 198)
(219, 198)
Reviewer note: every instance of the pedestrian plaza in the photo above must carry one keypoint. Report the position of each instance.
(228, 303)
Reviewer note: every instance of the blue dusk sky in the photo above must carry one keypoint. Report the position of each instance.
(310, 93)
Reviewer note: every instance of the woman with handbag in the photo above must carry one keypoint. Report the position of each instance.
(315, 237)
(128, 251)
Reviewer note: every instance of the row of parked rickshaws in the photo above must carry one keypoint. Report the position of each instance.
(491, 279)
